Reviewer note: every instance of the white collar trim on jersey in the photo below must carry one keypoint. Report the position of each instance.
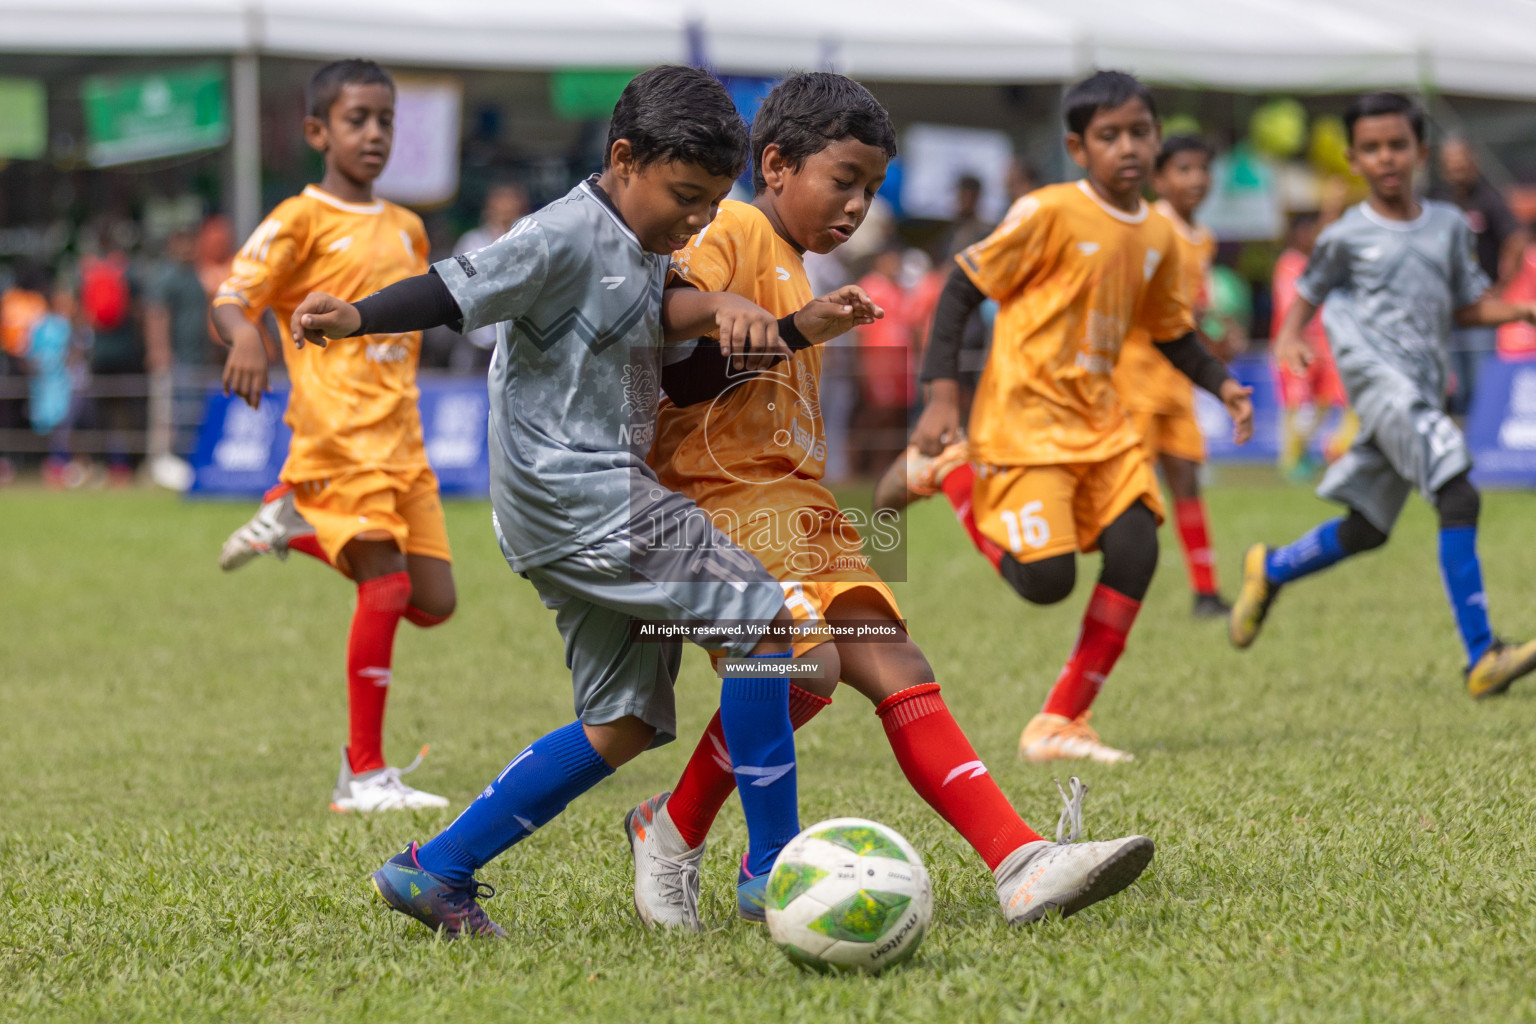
(1129, 218)
(614, 214)
(1395, 225)
(316, 192)
(1191, 233)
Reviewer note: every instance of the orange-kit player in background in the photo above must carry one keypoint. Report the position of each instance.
(1054, 464)
(356, 491)
(1160, 399)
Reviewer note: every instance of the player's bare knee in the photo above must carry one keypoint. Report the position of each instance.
(1182, 475)
(621, 740)
(1048, 581)
(878, 670)
(1458, 503)
(437, 606)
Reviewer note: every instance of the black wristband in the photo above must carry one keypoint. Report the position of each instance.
(791, 334)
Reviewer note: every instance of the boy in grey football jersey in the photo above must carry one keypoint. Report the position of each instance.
(576, 293)
(1396, 273)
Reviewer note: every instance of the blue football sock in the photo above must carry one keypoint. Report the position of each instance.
(1463, 575)
(754, 715)
(554, 770)
(1311, 552)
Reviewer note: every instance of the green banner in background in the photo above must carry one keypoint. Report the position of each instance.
(578, 95)
(23, 119)
(142, 117)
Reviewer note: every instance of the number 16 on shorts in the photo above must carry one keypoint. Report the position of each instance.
(1027, 528)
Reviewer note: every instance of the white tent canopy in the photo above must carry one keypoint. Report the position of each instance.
(1478, 47)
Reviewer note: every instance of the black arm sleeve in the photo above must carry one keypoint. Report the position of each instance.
(410, 305)
(1191, 359)
(959, 299)
(706, 374)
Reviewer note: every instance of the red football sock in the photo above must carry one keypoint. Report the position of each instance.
(424, 620)
(276, 491)
(943, 768)
(370, 647)
(708, 780)
(309, 544)
(1105, 625)
(957, 488)
(1195, 536)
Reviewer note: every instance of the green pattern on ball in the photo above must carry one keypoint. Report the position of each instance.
(863, 841)
(862, 917)
(789, 881)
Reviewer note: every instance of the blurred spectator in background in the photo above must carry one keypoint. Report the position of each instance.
(109, 299)
(1518, 341)
(1306, 399)
(1023, 178)
(967, 228)
(1500, 242)
(22, 305)
(58, 375)
(215, 253)
(887, 369)
(176, 352)
(839, 391)
(505, 205)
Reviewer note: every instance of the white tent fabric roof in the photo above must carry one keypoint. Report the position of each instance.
(1484, 47)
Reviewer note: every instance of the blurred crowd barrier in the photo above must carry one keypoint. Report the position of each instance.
(211, 445)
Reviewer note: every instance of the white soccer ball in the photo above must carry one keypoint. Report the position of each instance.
(849, 895)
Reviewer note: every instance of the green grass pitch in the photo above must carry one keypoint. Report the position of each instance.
(1341, 833)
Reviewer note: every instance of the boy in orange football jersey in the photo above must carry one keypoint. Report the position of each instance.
(1160, 399)
(1055, 464)
(750, 451)
(357, 491)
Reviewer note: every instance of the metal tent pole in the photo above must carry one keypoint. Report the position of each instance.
(245, 165)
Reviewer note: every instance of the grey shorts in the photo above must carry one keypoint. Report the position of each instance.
(688, 572)
(1412, 444)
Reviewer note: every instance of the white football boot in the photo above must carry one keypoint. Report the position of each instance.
(380, 789)
(1040, 878)
(267, 532)
(666, 869)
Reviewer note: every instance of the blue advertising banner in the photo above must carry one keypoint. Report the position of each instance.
(240, 450)
(1501, 428)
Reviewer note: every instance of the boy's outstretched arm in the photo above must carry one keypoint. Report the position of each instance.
(414, 304)
(1194, 361)
(1491, 311)
(939, 424)
(706, 373)
(245, 368)
(1291, 349)
(749, 334)
(832, 316)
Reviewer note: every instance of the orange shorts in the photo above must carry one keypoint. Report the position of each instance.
(808, 602)
(1038, 512)
(1177, 434)
(404, 505)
